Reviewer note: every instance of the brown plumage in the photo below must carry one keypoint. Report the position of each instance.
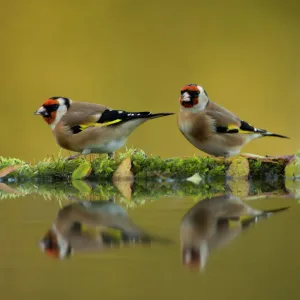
(91, 128)
(206, 226)
(67, 234)
(211, 127)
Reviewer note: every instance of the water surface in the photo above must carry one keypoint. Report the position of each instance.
(260, 261)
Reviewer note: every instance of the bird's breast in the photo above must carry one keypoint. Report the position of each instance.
(107, 147)
(194, 126)
(62, 137)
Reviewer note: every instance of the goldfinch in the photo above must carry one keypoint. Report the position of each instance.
(206, 226)
(109, 226)
(90, 128)
(212, 128)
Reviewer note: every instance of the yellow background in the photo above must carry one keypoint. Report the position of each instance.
(136, 55)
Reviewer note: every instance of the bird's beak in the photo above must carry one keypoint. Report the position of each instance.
(41, 111)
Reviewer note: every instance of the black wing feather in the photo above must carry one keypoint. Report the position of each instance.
(244, 127)
(224, 129)
(247, 127)
(119, 116)
(110, 115)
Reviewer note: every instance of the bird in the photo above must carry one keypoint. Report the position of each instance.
(212, 128)
(207, 226)
(90, 128)
(90, 226)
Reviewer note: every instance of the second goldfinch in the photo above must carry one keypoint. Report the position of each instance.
(90, 128)
(212, 128)
(206, 226)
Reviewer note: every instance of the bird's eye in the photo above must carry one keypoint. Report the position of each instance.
(52, 107)
(194, 93)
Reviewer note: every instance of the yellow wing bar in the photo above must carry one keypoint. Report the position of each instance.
(233, 127)
(94, 124)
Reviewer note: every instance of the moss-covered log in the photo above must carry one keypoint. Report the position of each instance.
(134, 177)
(142, 166)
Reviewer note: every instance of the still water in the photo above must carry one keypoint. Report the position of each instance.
(57, 245)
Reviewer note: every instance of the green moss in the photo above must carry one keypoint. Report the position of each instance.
(144, 190)
(51, 168)
(103, 167)
(263, 170)
(8, 161)
(143, 166)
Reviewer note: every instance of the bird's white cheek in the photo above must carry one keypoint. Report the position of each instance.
(59, 114)
(200, 106)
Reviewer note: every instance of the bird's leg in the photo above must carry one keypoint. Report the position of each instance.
(71, 157)
(84, 152)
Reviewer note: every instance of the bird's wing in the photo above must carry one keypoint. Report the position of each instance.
(226, 122)
(86, 115)
(82, 113)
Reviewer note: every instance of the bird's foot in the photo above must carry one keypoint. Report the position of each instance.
(73, 156)
(84, 152)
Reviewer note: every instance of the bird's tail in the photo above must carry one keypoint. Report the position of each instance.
(264, 215)
(272, 211)
(149, 115)
(275, 135)
(110, 117)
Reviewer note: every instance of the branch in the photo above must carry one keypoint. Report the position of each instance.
(134, 178)
(137, 164)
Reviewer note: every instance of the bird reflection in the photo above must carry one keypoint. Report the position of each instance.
(213, 223)
(91, 226)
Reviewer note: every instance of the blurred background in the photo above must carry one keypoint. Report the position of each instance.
(136, 55)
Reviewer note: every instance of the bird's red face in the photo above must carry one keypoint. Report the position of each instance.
(189, 95)
(49, 244)
(48, 110)
(52, 247)
(53, 109)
